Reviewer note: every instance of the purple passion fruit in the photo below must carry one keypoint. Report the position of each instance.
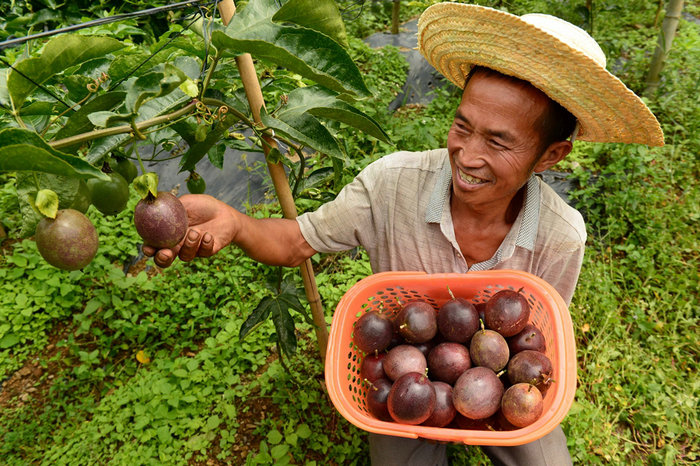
(161, 221)
(69, 241)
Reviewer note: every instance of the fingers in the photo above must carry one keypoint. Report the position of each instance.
(164, 257)
(189, 248)
(197, 245)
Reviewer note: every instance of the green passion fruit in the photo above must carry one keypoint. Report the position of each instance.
(196, 184)
(69, 241)
(109, 196)
(125, 168)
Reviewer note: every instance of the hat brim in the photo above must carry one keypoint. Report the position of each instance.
(453, 37)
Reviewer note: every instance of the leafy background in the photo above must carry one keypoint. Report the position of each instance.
(125, 364)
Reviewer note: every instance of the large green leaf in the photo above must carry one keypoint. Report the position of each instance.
(151, 109)
(307, 130)
(309, 53)
(79, 122)
(23, 150)
(28, 184)
(60, 53)
(320, 15)
(152, 85)
(199, 149)
(326, 104)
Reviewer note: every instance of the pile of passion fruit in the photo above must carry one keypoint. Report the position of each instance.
(463, 365)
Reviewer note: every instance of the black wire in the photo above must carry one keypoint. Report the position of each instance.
(100, 21)
(178, 34)
(40, 86)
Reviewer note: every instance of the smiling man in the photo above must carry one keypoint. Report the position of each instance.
(531, 85)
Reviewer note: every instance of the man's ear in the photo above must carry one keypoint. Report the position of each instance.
(553, 155)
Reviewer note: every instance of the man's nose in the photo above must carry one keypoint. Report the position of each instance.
(472, 151)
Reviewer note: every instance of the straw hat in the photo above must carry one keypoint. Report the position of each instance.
(557, 57)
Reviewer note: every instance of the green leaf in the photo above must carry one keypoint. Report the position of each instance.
(200, 149)
(274, 437)
(309, 53)
(319, 15)
(151, 109)
(79, 122)
(145, 184)
(106, 118)
(326, 104)
(303, 431)
(284, 324)
(28, 184)
(8, 340)
(152, 85)
(258, 316)
(279, 451)
(46, 202)
(59, 53)
(23, 150)
(307, 130)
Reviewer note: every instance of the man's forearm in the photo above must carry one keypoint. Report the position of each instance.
(272, 241)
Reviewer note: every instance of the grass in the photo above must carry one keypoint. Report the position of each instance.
(77, 389)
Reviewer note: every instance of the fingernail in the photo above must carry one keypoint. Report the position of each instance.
(192, 235)
(207, 238)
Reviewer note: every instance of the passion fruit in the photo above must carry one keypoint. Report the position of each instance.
(161, 221)
(373, 332)
(69, 241)
(109, 196)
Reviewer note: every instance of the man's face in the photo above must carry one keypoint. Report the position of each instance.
(493, 142)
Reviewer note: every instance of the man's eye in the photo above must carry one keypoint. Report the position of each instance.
(496, 144)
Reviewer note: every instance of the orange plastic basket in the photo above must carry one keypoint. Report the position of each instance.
(380, 292)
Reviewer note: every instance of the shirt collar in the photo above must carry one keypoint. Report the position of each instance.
(525, 224)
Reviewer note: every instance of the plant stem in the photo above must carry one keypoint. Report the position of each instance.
(100, 133)
(210, 71)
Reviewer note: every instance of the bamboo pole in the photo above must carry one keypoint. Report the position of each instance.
(395, 16)
(663, 47)
(253, 92)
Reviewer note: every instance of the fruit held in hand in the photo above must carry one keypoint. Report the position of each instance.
(69, 241)
(507, 312)
(109, 197)
(417, 322)
(373, 332)
(161, 221)
(522, 404)
(411, 399)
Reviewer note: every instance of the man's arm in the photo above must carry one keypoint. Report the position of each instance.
(213, 225)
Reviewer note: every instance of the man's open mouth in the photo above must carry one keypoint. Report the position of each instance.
(470, 179)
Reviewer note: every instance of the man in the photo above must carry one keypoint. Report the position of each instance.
(530, 85)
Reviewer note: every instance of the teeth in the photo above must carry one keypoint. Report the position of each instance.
(470, 179)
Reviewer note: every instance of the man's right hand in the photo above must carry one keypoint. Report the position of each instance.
(212, 226)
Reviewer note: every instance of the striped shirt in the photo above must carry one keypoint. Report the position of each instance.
(398, 209)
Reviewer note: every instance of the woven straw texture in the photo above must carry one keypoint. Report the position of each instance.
(453, 37)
